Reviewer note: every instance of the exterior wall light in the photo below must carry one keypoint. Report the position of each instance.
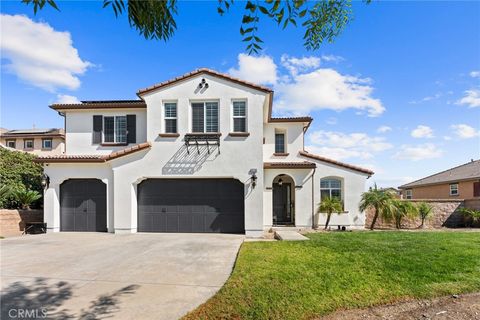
(253, 173)
(280, 182)
(45, 181)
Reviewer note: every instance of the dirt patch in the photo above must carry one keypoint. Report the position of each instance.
(463, 307)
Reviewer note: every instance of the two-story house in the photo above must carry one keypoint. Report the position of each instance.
(198, 153)
(36, 141)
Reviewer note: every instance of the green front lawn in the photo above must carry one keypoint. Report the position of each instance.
(297, 280)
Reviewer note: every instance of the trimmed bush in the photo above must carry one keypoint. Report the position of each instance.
(18, 173)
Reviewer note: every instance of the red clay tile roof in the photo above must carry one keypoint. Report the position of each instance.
(207, 71)
(63, 158)
(107, 104)
(289, 165)
(338, 163)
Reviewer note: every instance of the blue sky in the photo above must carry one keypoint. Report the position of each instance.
(398, 91)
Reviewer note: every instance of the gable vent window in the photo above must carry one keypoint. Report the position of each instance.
(170, 117)
(204, 117)
(239, 116)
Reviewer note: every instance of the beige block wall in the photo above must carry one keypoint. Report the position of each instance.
(442, 191)
(58, 145)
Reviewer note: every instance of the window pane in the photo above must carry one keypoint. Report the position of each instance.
(47, 144)
(336, 193)
(121, 129)
(197, 117)
(239, 125)
(108, 129)
(211, 109)
(171, 126)
(324, 194)
(335, 184)
(239, 109)
(170, 110)
(279, 143)
(324, 183)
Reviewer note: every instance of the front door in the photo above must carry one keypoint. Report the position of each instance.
(282, 204)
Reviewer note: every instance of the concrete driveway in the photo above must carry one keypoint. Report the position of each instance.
(100, 275)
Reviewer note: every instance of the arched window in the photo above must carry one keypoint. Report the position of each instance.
(330, 188)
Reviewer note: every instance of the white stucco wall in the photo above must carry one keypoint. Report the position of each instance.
(79, 130)
(60, 172)
(293, 137)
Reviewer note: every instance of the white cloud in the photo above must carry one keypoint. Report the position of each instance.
(65, 99)
(331, 121)
(40, 55)
(422, 131)
(471, 98)
(464, 131)
(340, 145)
(326, 89)
(301, 91)
(447, 138)
(261, 70)
(427, 98)
(418, 152)
(332, 58)
(475, 74)
(384, 129)
(295, 65)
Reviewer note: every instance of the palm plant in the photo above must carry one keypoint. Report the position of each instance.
(377, 199)
(328, 206)
(5, 193)
(424, 211)
(403, 209)
(27, 197)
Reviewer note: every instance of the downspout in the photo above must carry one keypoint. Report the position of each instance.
(313, 199)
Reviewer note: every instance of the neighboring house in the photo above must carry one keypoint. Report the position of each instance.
(198, 153)
(36, 141)
(462, 182)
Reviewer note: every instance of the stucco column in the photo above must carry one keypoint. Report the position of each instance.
(254, 208)
(125, 205)
(51, 211)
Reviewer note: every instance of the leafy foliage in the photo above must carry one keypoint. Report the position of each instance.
(154, 19)
(472, 216)
(328, 206)
(18, 172)
(402, 209)
(379, 200)
(424, 211)
(26, 197)
(5, 193)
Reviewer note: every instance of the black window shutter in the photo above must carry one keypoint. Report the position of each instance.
(131, 128)
(97, 129)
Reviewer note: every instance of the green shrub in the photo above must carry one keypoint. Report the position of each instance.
(19, 172)
(26, 197)
(471, 216)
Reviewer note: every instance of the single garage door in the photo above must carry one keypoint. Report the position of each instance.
(83, 205)
(191, 205)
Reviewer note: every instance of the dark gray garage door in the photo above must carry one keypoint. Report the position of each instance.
(191, 205)
(83, 205)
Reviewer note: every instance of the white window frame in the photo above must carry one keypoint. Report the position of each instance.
(455, 185)
(114, 129)
(14, 143)
(51, 143)
(25, 144)
(165, 118)
(239, 117)
(408, 194)
(204, 102)
(330, 188)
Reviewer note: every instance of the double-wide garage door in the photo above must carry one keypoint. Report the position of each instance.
(83, 205)
(191, 205)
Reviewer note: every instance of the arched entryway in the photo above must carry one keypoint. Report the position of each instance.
(283, 200)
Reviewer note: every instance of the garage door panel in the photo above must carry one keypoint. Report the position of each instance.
(191, 205)
(83, 205)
